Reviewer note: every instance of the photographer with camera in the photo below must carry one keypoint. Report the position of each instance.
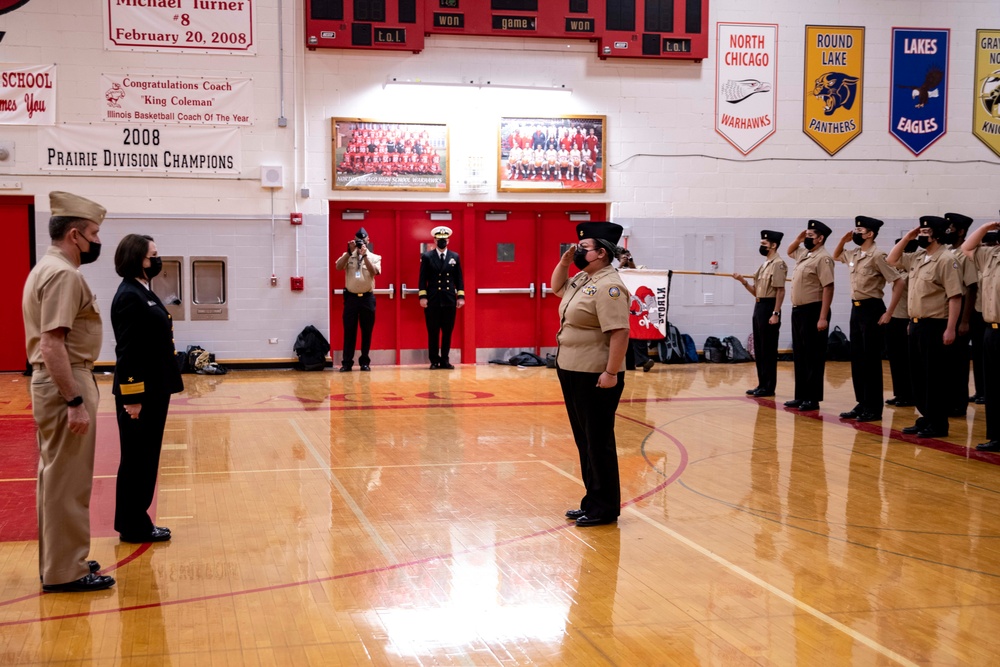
(360, 266)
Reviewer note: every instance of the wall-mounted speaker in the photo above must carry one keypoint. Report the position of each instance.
(271, 176)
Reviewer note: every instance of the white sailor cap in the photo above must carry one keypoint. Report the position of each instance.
(441, 232)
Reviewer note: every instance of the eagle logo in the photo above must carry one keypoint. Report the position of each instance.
(928, 89)
(989, 94)
(836, 90)
(735, 91)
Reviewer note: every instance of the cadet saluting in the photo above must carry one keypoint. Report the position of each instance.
(987, 261)
(769, 290)
(62, 328)
(442, 292)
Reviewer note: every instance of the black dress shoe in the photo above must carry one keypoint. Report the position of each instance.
(808, 406)
(853, 414)
(586, 521)
(751, 392)
(912, 430)
(958, 412)
(866, 416)
(890, 401)
(90, 582)
(435, 365)
(648, 366)
(446, 366)
(763, 393)
(974, 398)
(981, 400)
(793, 404)
(932, 433)
(156, 535)
(573, 515)
(903, 403)
(991, 446)
(366, 368)
(345, 369)
(92, 564)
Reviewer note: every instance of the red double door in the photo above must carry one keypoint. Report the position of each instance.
(17, 220)
(507, 255)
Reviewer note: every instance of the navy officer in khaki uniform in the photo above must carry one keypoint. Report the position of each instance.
(812, 294)
(769, 290)
(590, 362)
(987, 261)
(360, 266)
(442, 292)
(869, 274)
(62, 329)
(934, 305)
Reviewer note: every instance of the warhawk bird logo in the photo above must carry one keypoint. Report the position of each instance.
(836, 90)
(735, 92)
(928, 89)
(989, 94)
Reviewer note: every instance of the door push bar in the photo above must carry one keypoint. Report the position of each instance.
(529, 290)
(390, 290)
(403, 291)
(546, 290)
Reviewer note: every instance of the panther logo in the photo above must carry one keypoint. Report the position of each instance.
(836, 90)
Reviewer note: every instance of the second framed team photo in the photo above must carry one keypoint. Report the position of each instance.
(377, 155)
(562, 154)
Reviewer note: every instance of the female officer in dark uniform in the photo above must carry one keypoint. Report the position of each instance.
(146, 374)
(593, 340)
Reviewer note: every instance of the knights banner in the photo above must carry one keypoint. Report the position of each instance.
(918, 87)
(746, 67)
(648, 308)
(834, 73)
(986, 105)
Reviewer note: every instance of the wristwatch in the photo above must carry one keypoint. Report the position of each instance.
(777, 313)
(72, 403)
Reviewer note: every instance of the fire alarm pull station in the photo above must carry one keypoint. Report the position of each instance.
(298, 283)
(296, 218)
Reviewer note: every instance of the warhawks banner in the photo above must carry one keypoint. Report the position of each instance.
(746, 67)
(648, 308)
(918, 88)
(986, 105)
(834, 74)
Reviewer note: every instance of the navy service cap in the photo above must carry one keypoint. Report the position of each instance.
(871, 224)
(935, 223)
(960, 221)
(361, 234)
(773, 237)
(441, 232)
(820, 228)
(608, 231)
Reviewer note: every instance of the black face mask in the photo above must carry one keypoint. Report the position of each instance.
(155, 266)
(911, 246)
(858, 238)
(948, 238)
(442, 243)
(923, 241)
(580, 258)
(764, 250)
(809, 243)
(91, 255)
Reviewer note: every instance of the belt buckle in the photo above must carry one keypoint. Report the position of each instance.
(995, 325)
(857, 303)
(916, 319)
(360, 293)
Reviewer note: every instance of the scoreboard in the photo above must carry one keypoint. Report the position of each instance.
(656, 29)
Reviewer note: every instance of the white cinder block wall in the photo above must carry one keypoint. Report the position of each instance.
(671, 177)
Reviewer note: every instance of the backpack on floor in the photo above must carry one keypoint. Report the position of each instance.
(311, 347)
(735, 352)
(838, 348)
(671, 348)
(715, 351)
(690, 350)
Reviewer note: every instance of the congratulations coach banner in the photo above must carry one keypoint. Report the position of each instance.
(648, 308)
(918, 87)
(152, 98)
(746, 68)
(986, 105)
(149, 150)
(27, 94)
(189, 26)
(834, 73)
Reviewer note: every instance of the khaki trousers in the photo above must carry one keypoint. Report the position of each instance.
(65, 478)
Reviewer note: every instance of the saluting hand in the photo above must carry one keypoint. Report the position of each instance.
(567, 257)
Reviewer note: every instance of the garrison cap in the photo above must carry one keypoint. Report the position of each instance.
(608, 231)
(935, 223)
(871, 224)
(960, 221)
(819, 228)
(441, 232)
(361, 234)
(991, 237)
(75, 206)
(773, 237)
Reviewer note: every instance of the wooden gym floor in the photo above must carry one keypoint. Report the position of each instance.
(414, 517)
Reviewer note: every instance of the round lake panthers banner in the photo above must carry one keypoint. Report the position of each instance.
(745, 79)
(986, 95)
(918, 87)
(835, 66)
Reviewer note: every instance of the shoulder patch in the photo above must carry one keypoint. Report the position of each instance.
(614, 292)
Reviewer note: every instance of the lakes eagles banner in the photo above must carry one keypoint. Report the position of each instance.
(834, 78)
(746, 67)
(986, 102)
(650, 292)
(918, 87)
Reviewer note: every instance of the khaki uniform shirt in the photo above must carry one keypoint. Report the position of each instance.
(357, 279)
(56, 295)
(769, 278)
(869, 272)
(901, 310)
(591, 308)
(966, 268)
(933, 280)
(813, 271)
(987, 261)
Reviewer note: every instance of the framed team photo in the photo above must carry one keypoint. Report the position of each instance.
(378, 155)
(564, 154)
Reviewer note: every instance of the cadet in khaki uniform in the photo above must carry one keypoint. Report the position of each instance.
(62, 327)
(977, 329)
(897, 339)
(987, 262)
(769, 290)
(934, 305)
(593, 340)
(360, 267)
(869, 274)
(812, 294)
(958, 380)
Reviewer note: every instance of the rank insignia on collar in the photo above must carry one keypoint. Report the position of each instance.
(614, 292)
(589, 290)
